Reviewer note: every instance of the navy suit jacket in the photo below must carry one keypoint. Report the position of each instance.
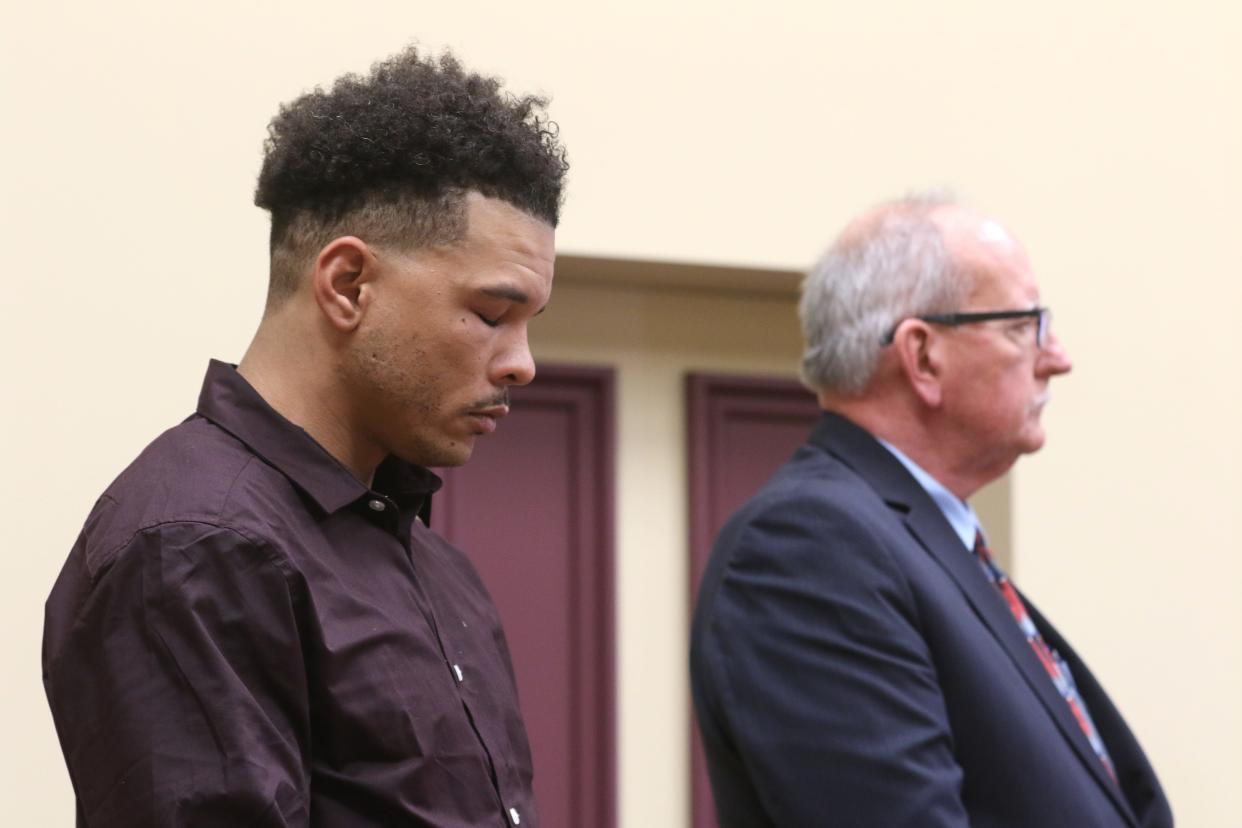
(852, 665)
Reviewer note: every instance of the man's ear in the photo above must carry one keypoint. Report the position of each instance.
(922, 360)
(341, 281)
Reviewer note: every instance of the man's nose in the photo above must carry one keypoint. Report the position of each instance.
(1053, 358)
(515, 365)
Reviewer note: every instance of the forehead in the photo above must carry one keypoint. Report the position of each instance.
(505, 251)
(996, 260)
(497, 227)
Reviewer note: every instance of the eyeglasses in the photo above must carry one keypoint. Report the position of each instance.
(1043, 315)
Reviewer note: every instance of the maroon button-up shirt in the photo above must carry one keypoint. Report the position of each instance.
(246, 635)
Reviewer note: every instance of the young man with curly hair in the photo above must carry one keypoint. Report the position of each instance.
(255, 627)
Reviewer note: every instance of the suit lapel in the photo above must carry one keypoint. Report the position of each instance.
(879, 468)
(929, 527)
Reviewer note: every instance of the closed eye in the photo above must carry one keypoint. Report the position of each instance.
(491, 323)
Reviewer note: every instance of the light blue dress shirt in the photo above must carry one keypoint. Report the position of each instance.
(957, 512)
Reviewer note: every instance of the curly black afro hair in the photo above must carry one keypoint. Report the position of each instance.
(416, 131)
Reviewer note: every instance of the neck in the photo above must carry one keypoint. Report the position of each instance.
(917, 433)
(296, 376)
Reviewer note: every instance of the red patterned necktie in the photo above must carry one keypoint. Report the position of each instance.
(1057, 669)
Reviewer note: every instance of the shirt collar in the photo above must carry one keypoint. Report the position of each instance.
(957, 512)
(235, 406)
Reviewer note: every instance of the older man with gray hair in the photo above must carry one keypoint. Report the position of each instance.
(858, 658)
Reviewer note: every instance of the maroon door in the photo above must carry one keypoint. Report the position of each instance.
(740, 430)
(534, 511)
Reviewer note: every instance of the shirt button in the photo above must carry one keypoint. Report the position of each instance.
(514, 816)
(377, 505)
(457, 671)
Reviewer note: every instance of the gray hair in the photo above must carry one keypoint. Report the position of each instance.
(890, 265)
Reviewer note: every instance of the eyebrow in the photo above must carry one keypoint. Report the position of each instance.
(510, 293)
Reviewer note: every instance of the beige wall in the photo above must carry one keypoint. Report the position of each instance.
(1108, 134)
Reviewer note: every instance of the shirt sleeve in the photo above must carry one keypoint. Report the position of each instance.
(823, 683)
(179, 688)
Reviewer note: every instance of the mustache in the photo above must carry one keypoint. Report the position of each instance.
(501, 398)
